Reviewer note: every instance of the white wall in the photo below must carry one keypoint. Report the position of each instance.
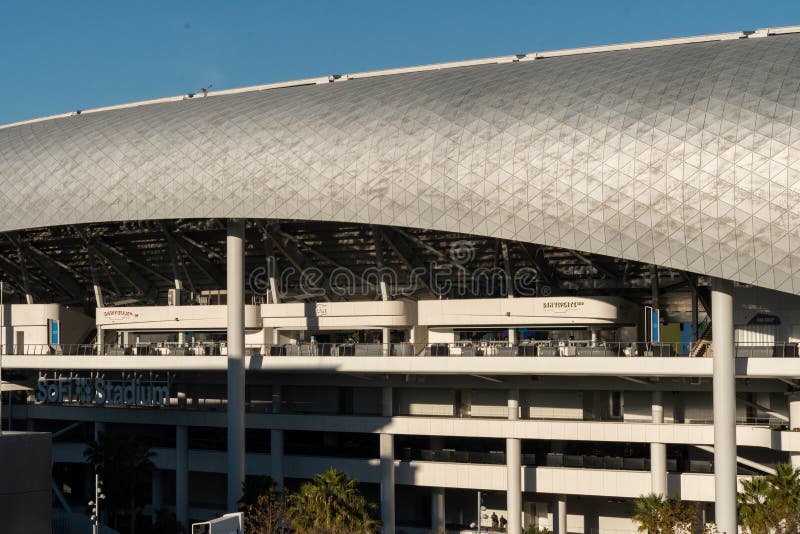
(31, 321)
(312, 399)
(340, 315)
(536, 311)
(749, 301)
(172, 318)
(489, 403)
(638, 406)
(421, 401)
(553, 404)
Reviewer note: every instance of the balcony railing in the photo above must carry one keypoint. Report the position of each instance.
(461, 349)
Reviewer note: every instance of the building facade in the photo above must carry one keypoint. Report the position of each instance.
(550, 283)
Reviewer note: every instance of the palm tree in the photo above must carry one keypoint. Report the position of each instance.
(658, 515)
(785, 496)
(649, 513)
(771, 503)
(755, 513)
(125, 466)
(331, 504)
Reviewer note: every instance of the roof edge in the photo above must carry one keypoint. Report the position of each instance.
(335, 78)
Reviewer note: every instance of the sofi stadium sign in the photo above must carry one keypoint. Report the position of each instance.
(101, 391)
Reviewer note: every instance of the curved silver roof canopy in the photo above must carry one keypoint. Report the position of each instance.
(685, 156)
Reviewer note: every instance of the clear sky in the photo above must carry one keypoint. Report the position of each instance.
(59, 56)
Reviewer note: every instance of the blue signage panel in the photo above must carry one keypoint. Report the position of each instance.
(55, 332)
(655, 333)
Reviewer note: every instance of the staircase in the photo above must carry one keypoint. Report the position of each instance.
(703, 346)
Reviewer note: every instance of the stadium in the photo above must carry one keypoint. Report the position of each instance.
(537, 286)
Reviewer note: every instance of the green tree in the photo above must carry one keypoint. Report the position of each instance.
(771, 503)
(648, 512)
(659, 515)
(267, 516)
(331, 504)
(264, 508)
(755, 513)
(255, 486)
(125, 467)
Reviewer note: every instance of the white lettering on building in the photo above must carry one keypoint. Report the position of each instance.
(100, 391)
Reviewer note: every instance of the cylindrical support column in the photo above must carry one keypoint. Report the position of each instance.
(724, 384)
(560, 515)
(276, 457)
(658, 451)
(386, 401)
(276, 442)
(438, 523)
(386, 337)
(695, 315)
(387, 467)
(98, 296)
(100, 341)
(794, 422)
(514, 469)
(182, 475)
(387, 483)
(99, 428)
(157, 501)
(235, 295)
(514, 489)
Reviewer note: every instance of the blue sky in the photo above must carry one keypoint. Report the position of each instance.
(58, 56)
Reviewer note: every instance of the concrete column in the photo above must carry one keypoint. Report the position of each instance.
(794, 422)
(267, 334)
(98, 296)
(276, 442)
(182, 475)
(724, 384)
(437, 494)
(560, 514)
(438, 523)
(276, 457)
(387, 483)
(695, 315)
(386, 337)
(387, 468)
(100, 340)
(654, 289)
(99, 428)
(658, 451)
(157, 501)
(514, 468)
(387, 401)
(236, 379)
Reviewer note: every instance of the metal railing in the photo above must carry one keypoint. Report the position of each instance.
(462, 349)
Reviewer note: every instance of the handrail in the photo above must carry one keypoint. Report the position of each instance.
(490, 348)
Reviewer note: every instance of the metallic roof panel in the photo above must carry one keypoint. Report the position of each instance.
(687, 156)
